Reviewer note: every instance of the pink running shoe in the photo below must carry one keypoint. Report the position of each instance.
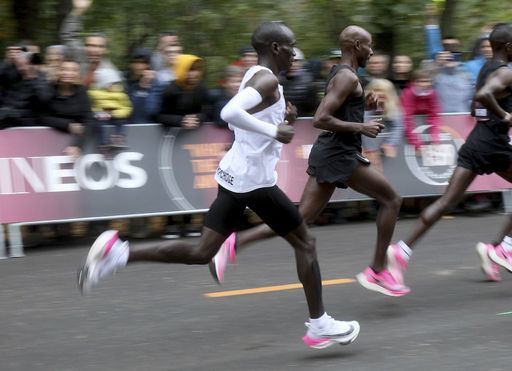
(501, 257)
(397, 263)
(490, 268)
(226, 255)
(336, 332)
(231, 246)
(382, 282)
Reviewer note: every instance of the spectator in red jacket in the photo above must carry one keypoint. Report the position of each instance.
(420, 98)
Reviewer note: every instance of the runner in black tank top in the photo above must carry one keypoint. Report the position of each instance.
(336, 159)
(333, 157)
(487, 150)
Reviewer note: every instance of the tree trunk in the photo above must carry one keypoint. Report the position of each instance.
(447, 18)
(25, 12)
(385, 41)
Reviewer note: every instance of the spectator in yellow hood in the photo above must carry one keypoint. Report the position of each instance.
(185, 102)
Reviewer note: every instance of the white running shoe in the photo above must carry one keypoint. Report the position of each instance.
(335, 332)
(105, 256)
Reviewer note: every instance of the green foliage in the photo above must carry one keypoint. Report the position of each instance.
(217, 29)
(7, 23)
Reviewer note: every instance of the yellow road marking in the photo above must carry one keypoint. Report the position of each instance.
(260, 290)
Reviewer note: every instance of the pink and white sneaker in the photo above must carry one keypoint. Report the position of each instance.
(397, 262)
(105, 256)
(336, 332)
(226, 255)
(490, 268)
(383, 282)
(501, 257)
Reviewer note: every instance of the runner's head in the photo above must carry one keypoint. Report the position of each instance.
(356, 43)
(275, 41)
(501, 41)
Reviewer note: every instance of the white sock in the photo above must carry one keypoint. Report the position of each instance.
(121, 259)
(507, 244)
(321, 321)
(405, 249)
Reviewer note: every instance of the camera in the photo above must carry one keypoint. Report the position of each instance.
(35, 59)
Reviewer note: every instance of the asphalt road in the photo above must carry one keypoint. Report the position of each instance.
(156, 317)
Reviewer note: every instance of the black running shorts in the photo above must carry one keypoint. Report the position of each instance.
(332, 160)
(487, 149)
(270, 204)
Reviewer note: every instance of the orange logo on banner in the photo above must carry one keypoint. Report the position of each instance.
(204, 160)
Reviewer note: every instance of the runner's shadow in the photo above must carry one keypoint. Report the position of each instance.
(383, 310)
(325, 355)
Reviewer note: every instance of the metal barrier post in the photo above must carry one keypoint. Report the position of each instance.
(3, 254)
(507, 200)
(15, 241)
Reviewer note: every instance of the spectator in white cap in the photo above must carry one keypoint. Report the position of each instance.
(299, 87)
(322, 68)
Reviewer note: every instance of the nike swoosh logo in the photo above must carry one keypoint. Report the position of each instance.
(341, 334)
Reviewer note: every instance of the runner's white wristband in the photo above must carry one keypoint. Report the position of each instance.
(235, 113)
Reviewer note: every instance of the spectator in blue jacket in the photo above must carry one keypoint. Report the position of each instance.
(434, 42)
(453, 84)
(482, 52)
(142, 87)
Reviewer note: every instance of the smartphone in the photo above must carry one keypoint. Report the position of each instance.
(362, 159)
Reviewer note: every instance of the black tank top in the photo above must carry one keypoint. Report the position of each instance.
(352, 110)
(506, 102)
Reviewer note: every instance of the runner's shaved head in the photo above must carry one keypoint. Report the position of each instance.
(267, 33)
(501, 35)
(356, 45)
(351, 34)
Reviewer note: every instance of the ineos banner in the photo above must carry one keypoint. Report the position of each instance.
(171, 171)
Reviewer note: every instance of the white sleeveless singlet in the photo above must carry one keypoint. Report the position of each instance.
(250, 163)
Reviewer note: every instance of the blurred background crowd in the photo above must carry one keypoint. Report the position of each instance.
(83, 85)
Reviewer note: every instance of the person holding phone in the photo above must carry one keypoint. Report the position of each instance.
(143, 87)
(23, 89)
